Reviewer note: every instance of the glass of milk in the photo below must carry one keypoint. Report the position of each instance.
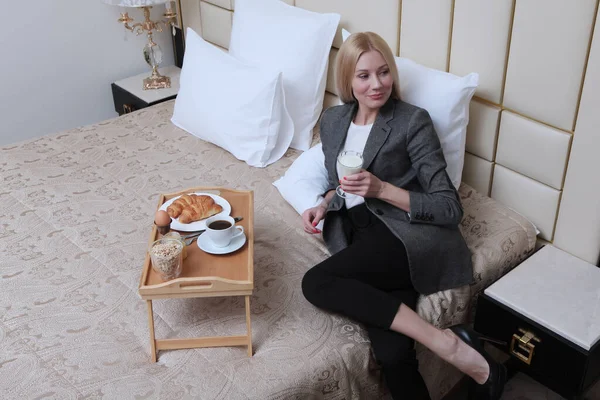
(348, 163)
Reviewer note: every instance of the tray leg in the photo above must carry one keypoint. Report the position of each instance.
(248, 326)
(151, 324)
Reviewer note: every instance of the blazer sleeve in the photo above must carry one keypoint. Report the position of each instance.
(326, 143)
(439, 203)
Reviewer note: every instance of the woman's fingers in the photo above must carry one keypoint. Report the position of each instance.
(352, 183)
(355, 177)
(356, 180)
(356, 185)
(306, 216)
(306, 220)
(354, 190)
(306, 224)
(309, 229)
(358, 192)
(320, 214)
(309, 220)
(318, 217)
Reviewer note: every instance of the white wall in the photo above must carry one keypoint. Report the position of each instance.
(58, 59)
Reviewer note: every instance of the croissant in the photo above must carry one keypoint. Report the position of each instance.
(201, 208)
(175, 209)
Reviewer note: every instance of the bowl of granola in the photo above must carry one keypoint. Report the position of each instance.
(166, 255)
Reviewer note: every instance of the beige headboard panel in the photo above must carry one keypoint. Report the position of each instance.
(535, 113)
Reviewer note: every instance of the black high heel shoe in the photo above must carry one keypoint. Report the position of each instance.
(494, 386)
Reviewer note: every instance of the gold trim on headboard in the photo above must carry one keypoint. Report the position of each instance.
(399, 27)
(451, 27)
(509, 39)
(587, 59)
(560, 196)
(221, 7)
(564, 177)
(492, 170)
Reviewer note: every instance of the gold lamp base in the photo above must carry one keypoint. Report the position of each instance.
(157, 81)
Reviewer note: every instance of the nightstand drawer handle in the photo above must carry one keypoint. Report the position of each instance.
(524, 345)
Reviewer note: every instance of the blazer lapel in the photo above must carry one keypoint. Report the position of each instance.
(344, 124)
(379, 133)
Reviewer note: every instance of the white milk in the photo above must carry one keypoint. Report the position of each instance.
(348, 164)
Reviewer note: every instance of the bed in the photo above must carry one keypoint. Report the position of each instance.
(76, 211)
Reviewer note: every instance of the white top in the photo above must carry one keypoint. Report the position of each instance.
(134, 84)
(556, 290)
(356, 141)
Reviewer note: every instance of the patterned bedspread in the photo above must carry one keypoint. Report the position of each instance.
(76, 209)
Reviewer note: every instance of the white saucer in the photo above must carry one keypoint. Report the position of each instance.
(207, 245)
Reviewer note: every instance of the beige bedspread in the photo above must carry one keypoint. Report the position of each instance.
(76, 209)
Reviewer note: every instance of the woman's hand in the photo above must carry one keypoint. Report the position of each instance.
(312, 216)
(364, 184)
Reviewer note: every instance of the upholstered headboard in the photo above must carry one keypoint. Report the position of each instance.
(538, 68)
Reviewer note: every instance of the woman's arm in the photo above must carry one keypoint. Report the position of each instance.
(394, 195)
(327, 198)
(439, 203)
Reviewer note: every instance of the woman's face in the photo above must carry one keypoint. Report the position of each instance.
(372, 81)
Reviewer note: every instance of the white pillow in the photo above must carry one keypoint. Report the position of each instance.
(295, 41)
(305, 181)
(236, 106)
(446, 97)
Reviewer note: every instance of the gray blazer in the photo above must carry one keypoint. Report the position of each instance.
(404, 150)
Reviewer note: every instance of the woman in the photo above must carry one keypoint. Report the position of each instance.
(395, 235)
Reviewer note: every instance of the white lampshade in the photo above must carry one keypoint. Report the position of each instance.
(135, 3)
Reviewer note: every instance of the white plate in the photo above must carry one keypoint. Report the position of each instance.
(207, 245)
(196, 225)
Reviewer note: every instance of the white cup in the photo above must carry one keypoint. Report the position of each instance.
(221, 230)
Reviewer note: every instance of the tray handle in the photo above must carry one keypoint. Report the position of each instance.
(212, 283)
(196, 286)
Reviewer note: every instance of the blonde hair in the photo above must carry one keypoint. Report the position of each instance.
(348, 56)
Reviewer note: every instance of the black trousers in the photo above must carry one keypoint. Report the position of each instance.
(368, 281)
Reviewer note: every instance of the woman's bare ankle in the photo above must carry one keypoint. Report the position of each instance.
(465, 358)
(450, 346)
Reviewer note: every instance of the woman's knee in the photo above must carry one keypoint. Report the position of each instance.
(311, 282)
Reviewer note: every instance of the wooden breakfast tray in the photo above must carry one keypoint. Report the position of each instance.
(206, 275)
(203, 274)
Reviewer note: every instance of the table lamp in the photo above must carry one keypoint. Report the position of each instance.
(152, 52)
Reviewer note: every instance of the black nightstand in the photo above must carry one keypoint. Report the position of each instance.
(129, 96)
(545, 310)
